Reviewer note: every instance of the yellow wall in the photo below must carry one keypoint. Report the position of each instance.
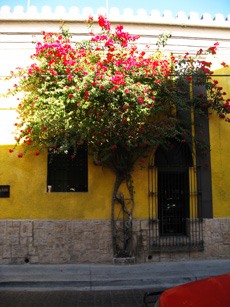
(220, 155)
(27, 178)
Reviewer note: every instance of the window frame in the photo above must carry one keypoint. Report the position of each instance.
(66, 172)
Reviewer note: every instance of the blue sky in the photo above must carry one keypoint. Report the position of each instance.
(201, 6)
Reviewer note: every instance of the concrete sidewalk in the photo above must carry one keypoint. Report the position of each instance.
(108, 277)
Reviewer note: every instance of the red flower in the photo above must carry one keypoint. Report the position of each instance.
(11, 150)
(20, 155)
(224, 64)
(70, 95)
(43, 128)
(90, 19)
(119, 28)
(213, 49)
(200, 52)
(103, 22)
(37, 153)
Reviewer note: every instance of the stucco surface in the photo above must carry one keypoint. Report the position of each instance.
(220, 154)
(29, 199)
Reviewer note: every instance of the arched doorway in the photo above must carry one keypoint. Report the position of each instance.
(175, 219)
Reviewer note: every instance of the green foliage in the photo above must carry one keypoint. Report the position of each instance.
(162, 40)
(105, 93)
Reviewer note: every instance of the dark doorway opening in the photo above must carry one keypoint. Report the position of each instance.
(173, 188)
(173, 200)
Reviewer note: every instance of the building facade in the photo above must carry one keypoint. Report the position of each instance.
(39, 225)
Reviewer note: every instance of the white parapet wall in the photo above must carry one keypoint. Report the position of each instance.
(20, 28)
(114, 14)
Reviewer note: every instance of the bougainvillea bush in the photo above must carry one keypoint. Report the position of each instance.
(106, 94)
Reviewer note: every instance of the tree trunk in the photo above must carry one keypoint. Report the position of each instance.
(122, 223)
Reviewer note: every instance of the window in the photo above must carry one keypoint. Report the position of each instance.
(67, 174)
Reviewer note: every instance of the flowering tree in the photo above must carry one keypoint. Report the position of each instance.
(120, 102)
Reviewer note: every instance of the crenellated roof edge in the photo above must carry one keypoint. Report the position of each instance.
(114, 15)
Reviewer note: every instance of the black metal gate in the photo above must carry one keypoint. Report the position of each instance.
(173, 200)
(175, 213)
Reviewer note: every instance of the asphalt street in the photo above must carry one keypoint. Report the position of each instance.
(104, 285)
(69, 298)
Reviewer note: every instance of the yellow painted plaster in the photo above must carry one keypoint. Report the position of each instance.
(220, 155)
(29, 199)
(27, 178)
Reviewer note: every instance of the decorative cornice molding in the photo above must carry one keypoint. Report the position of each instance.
(114, 15)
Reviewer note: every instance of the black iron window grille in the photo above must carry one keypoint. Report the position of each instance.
(67, 173)
(175, 212)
